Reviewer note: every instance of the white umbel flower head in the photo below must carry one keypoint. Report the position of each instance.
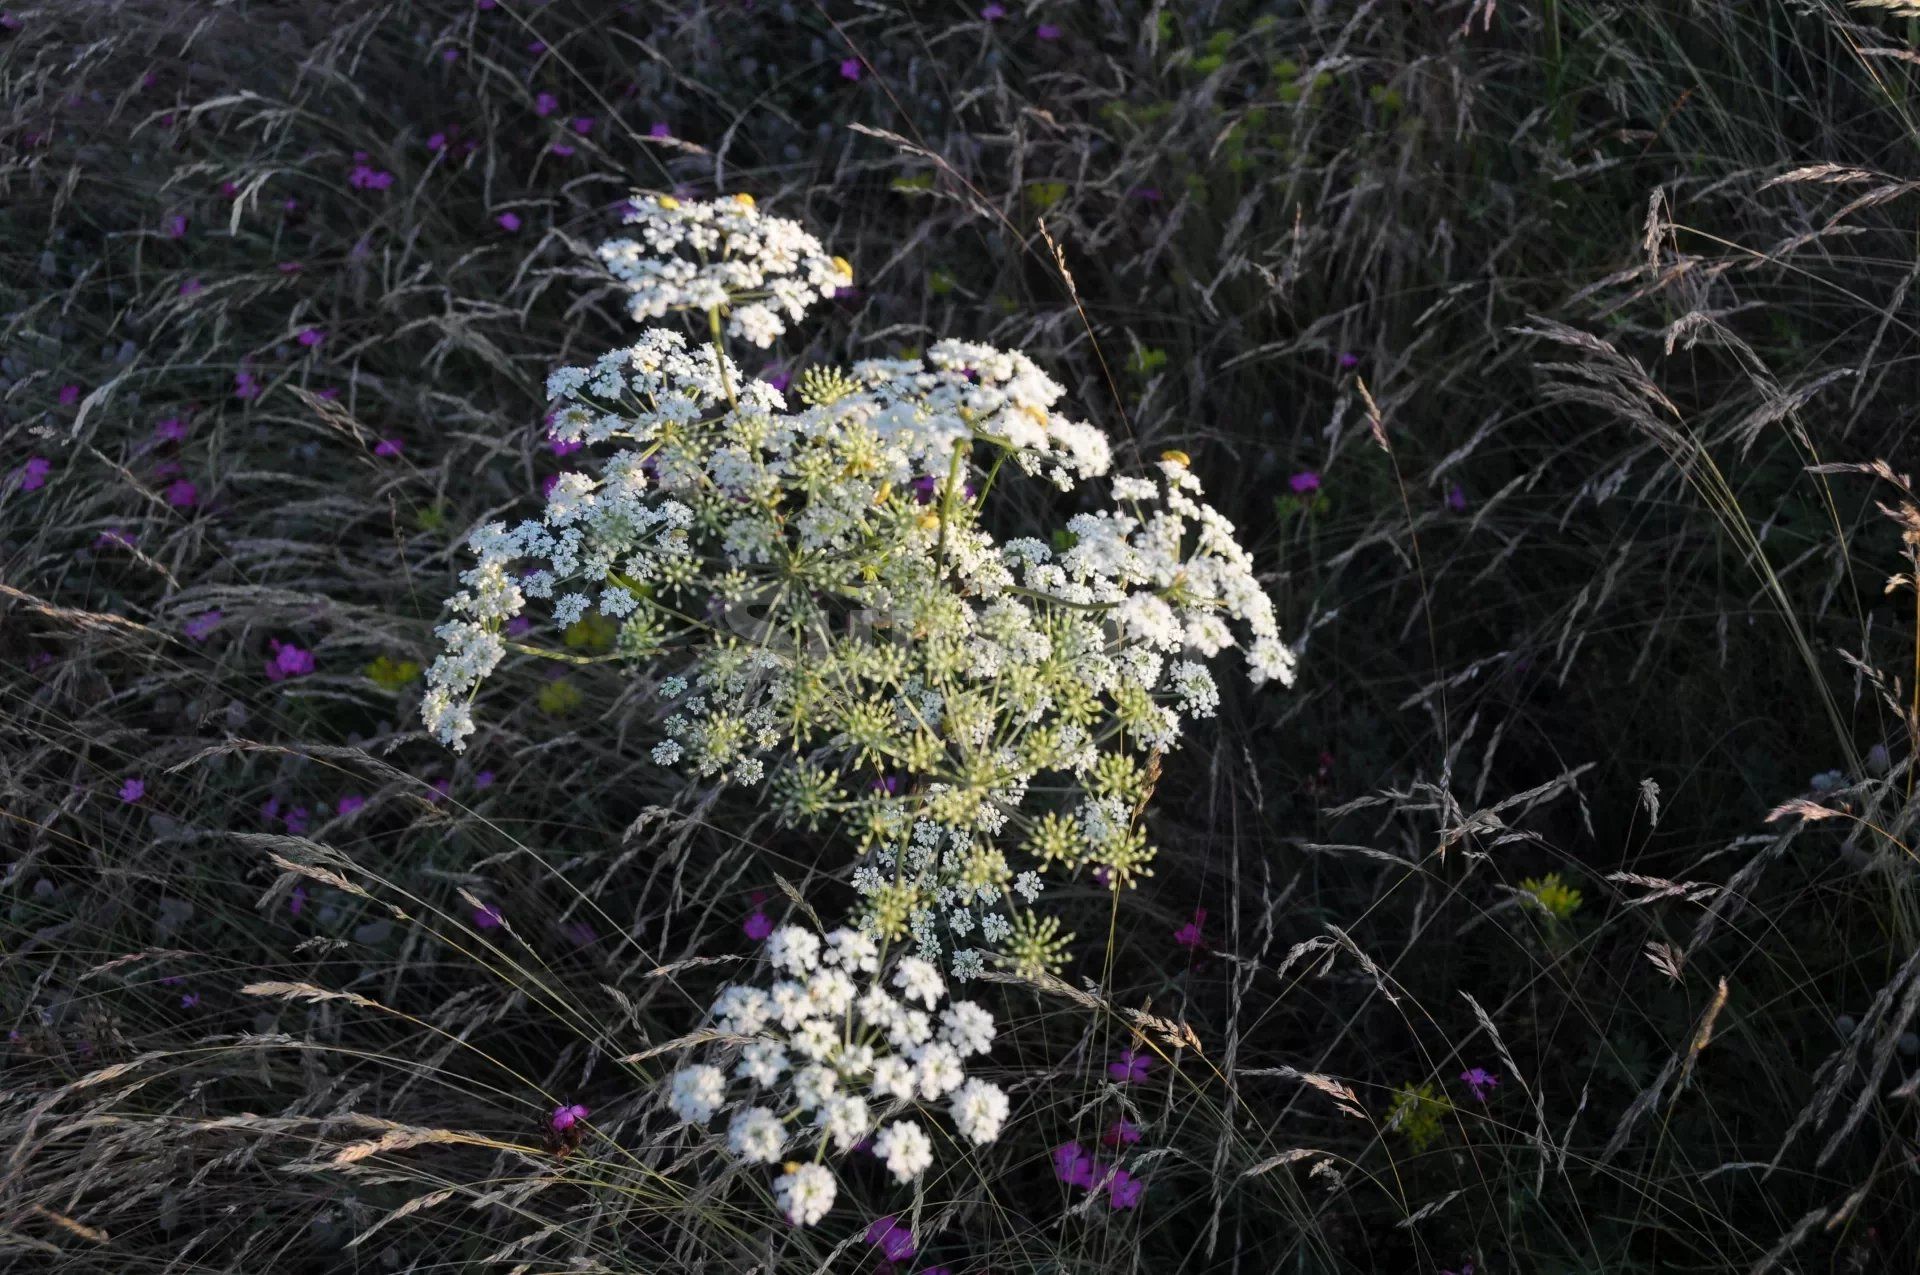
(697, 1092)
(979, 1109)
(905, 1148)
(756, 1136)
(804, 1193)
(794, 949)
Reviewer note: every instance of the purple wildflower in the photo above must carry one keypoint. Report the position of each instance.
(297, 901)
(487, 917)
(366, 177)
(509, 221)
(289, 267)
(311, 337)
(775, 375)
(1348, 360)
(894, 1241)
(564, 446)
(564, 1118)
(449, 55)
(1047, 31)
(1304, 481)
(287, 660)
(545, 104)
(171, 430)
(561, 149)
(190, 1001)
(1072, 1165)
(660, 130)
(1132, 1067)
(175, 226)
(201, 626)
(1123, 1133)
(182, 494)
(757, 926)
(1481, 1081)
(349, 805)
(33, 474)
(1456, 498)
(850, 68)
(69, 395)
(483, 780)
(388, 448)
(191, 287)
(114, 538)
(583, 124)
(1188, 935)
(132, 789)
(580, 933)
(993, 13)
(245, 386)
(1124, 1191)
(436, 142)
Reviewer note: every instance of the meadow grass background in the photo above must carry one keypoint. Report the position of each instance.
(1626, 292)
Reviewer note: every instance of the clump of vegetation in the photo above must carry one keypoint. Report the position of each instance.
(1552, 368)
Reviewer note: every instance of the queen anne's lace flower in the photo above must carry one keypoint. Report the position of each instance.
(724, 255)
(819, 588)
(868, 1060)
(804, 1193)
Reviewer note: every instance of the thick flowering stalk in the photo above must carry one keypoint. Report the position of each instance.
(819, 589)
(842, 1051)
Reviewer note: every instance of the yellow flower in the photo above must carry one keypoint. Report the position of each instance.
(743, 199)
(668, 202)
(391, 674)
(1173, 456)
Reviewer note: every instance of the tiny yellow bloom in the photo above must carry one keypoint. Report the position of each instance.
(929, 521)
(743, 199)
(845, 267)
(668, 201)
(1173, 456)
(886, 489)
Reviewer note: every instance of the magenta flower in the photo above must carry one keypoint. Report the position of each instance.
(191, 287)
(182, 494)
(1188, 935)
(660, 129)
(564, 446)
(536, 47)
(1348, 360)
(10, 22)
(436, 142)
(388, 448)
(484, 779)
(564, 1118)
(778, 377)
(297, 820)
(190, 1001)
(519, 626)
(1304, 481)
(201, 626)
(1047, 31)
(442, 789)
(894, 1241)
(487, 917)
(366, 177)
(69, 395)
(1124, 1133)
(349, 805)
(289, 267)
(509, 221)
(1132, 1067)
(297, 900)
(171, 430)
(230, 190)
(850, 69)
(583, 124)
(287, 660)
(114, 538)
(1073, 1166)
(1456, 498)
(311, 337)
(449, 55)
(270, 809)
(993, 13)
(329, 394)
(561, 149)
(132, 789)
(244, 385)
(33, 474)
(175, 226)
(757, 925)
(545, 104)
(1481, 1081)
(1124, 1191)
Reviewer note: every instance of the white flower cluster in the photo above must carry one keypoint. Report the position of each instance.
(819, 588)
(838, 1050)
(760, 271)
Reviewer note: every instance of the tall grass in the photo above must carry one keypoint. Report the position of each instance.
(1584, 600)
